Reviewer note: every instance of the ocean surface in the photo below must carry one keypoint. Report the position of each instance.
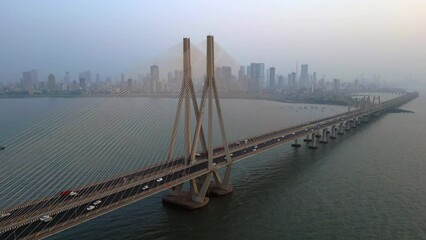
(368, 184)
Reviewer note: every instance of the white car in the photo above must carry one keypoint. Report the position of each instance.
(159, 179)
(4, 215)
(145, 187)
(278, 140)
(198, 154)
(97, 202)
(90, 208)
(72, 194)
(293, 133)
(46, 218)
(255, 147)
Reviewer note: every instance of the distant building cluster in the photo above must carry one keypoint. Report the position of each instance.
(253, 78)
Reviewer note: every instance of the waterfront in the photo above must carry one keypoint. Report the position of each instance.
(366, 185)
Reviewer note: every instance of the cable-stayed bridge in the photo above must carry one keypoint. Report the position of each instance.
(189, 178)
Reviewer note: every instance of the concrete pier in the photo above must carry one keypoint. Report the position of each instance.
(296, 143)
(348, 125)
(340, 129)
(324, 138)
(184, 200)
(307, 139)
(216, 190)
(333, 132)
(314, 143)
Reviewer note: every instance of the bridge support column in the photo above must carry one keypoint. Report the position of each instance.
(355, 122)
(195, 197)
(348, 125)
(340, 129)
(192, 199)
(333, 132)
(307, 139)
(317, 135)
(314, 143)
(324, 138)
(296, 143)
(220, 187)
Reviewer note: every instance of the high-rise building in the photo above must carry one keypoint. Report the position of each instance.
(272, 78)
(85, 80)
(304, 76)
(256, 77)
(154, 84)
(280, 81)
(29, 80)
(292, 80)
(51, 84)
(67, 77)
(242, 73)
(336, 85)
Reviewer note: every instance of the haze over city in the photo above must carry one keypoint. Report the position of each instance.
(380, 39)
(212, 119)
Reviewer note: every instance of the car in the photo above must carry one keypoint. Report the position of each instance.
(46, 218)
(255, 147)
(145, 187)
(69, 193)
(231, 154)
(97, 202)
(2, 148)
(72, 194)
(213, 164)
(198, 154)
(159, 179)
(90, 208)
(278, 139)
(4, 214)
(293, 133)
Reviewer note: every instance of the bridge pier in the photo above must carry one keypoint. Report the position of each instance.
(220, 187)
(348, 125)
(353, 123)
(333, 132)
(314, 143)
(307, 139)
(317, 135)
(359, 121)
(324, 138)
(296, 143)
(340, 129)
(192, 199)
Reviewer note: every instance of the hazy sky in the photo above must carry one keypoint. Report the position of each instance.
(338, 38)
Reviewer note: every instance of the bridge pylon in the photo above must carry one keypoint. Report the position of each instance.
(211, 182)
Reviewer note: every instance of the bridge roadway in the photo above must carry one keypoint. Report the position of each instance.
(23, 221)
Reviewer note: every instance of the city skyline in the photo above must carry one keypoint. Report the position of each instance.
(390, 46)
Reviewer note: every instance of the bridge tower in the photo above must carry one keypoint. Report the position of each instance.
(211, 182)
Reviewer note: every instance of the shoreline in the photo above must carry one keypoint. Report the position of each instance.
(254, 96)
